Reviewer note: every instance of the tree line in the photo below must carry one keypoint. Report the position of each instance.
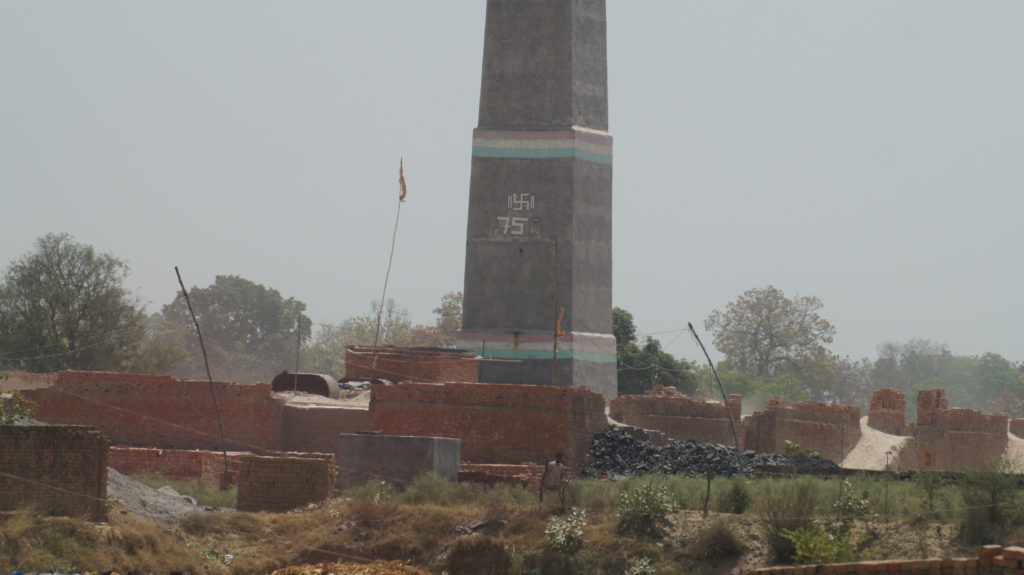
(65, 306)
(775, 345)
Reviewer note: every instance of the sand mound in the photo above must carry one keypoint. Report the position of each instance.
(869, 453)
(163, 505)
(1015, 452)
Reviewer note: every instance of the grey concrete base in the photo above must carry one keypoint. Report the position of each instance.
(599, 377)
(396, 459)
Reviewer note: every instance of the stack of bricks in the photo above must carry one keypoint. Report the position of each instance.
(496, 423)
(991, 560)
(678, 416)
(888, 411)
(419, 364)
(57, 470)
(178, 464)
(1003, 560)
(527, 474)
(830, 430)
(284, 483)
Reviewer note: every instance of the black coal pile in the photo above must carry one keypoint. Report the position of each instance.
(617, 452)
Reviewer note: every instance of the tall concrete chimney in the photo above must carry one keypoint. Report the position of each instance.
(540, 203)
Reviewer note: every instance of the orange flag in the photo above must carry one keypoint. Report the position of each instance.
(401, 180)
(559, 334)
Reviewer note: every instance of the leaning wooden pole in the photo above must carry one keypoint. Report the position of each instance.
(209, 376)
(725, 398)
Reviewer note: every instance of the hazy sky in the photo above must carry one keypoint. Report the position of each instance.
(869, 153)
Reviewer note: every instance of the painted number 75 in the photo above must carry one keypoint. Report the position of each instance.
(512, 226)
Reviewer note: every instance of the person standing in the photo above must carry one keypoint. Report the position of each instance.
(553, 478)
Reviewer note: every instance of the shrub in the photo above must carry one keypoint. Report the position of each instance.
(566, 535)
(593, 495)
(15, 407)
(372, 504)
(990, 496)
(641, 566)
(930, 484)
(204, 493)
(813, 547)
(848, 507)
(644, 509)
(478, 554)
(375, 491)
(715, 541)
(501, 499)
(787, 505)
(736, 498)
(430, 488)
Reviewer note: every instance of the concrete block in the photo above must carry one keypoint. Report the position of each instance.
(397, 459)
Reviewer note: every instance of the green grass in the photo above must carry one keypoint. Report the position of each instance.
(204, 493)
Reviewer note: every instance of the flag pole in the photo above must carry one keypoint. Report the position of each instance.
(391, 257)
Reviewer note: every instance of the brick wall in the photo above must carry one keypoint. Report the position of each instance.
(888, 411)
(831, 430)
(284, 483)
(420, 364)
(58, 470)
(152, 410)
(678, 416)
(178, 464)
(316, 427)
(991, 560)
(497, 423)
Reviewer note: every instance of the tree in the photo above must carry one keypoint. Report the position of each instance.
(326, 352)
(251, 331)
(64, 306)
(987, 382)
(14, 408)
(766, 334)
(639, 368)
(908, 366)
(447, 323)
(163, 348)
(395, 326)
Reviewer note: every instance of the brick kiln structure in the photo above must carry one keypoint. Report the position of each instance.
(166, 425)
(888, 411)
(419, 364)
(679, 417)
(159, 411)
(497, 423)
(154, 410)
(830, 430)
(59, 470)
(953, 439)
